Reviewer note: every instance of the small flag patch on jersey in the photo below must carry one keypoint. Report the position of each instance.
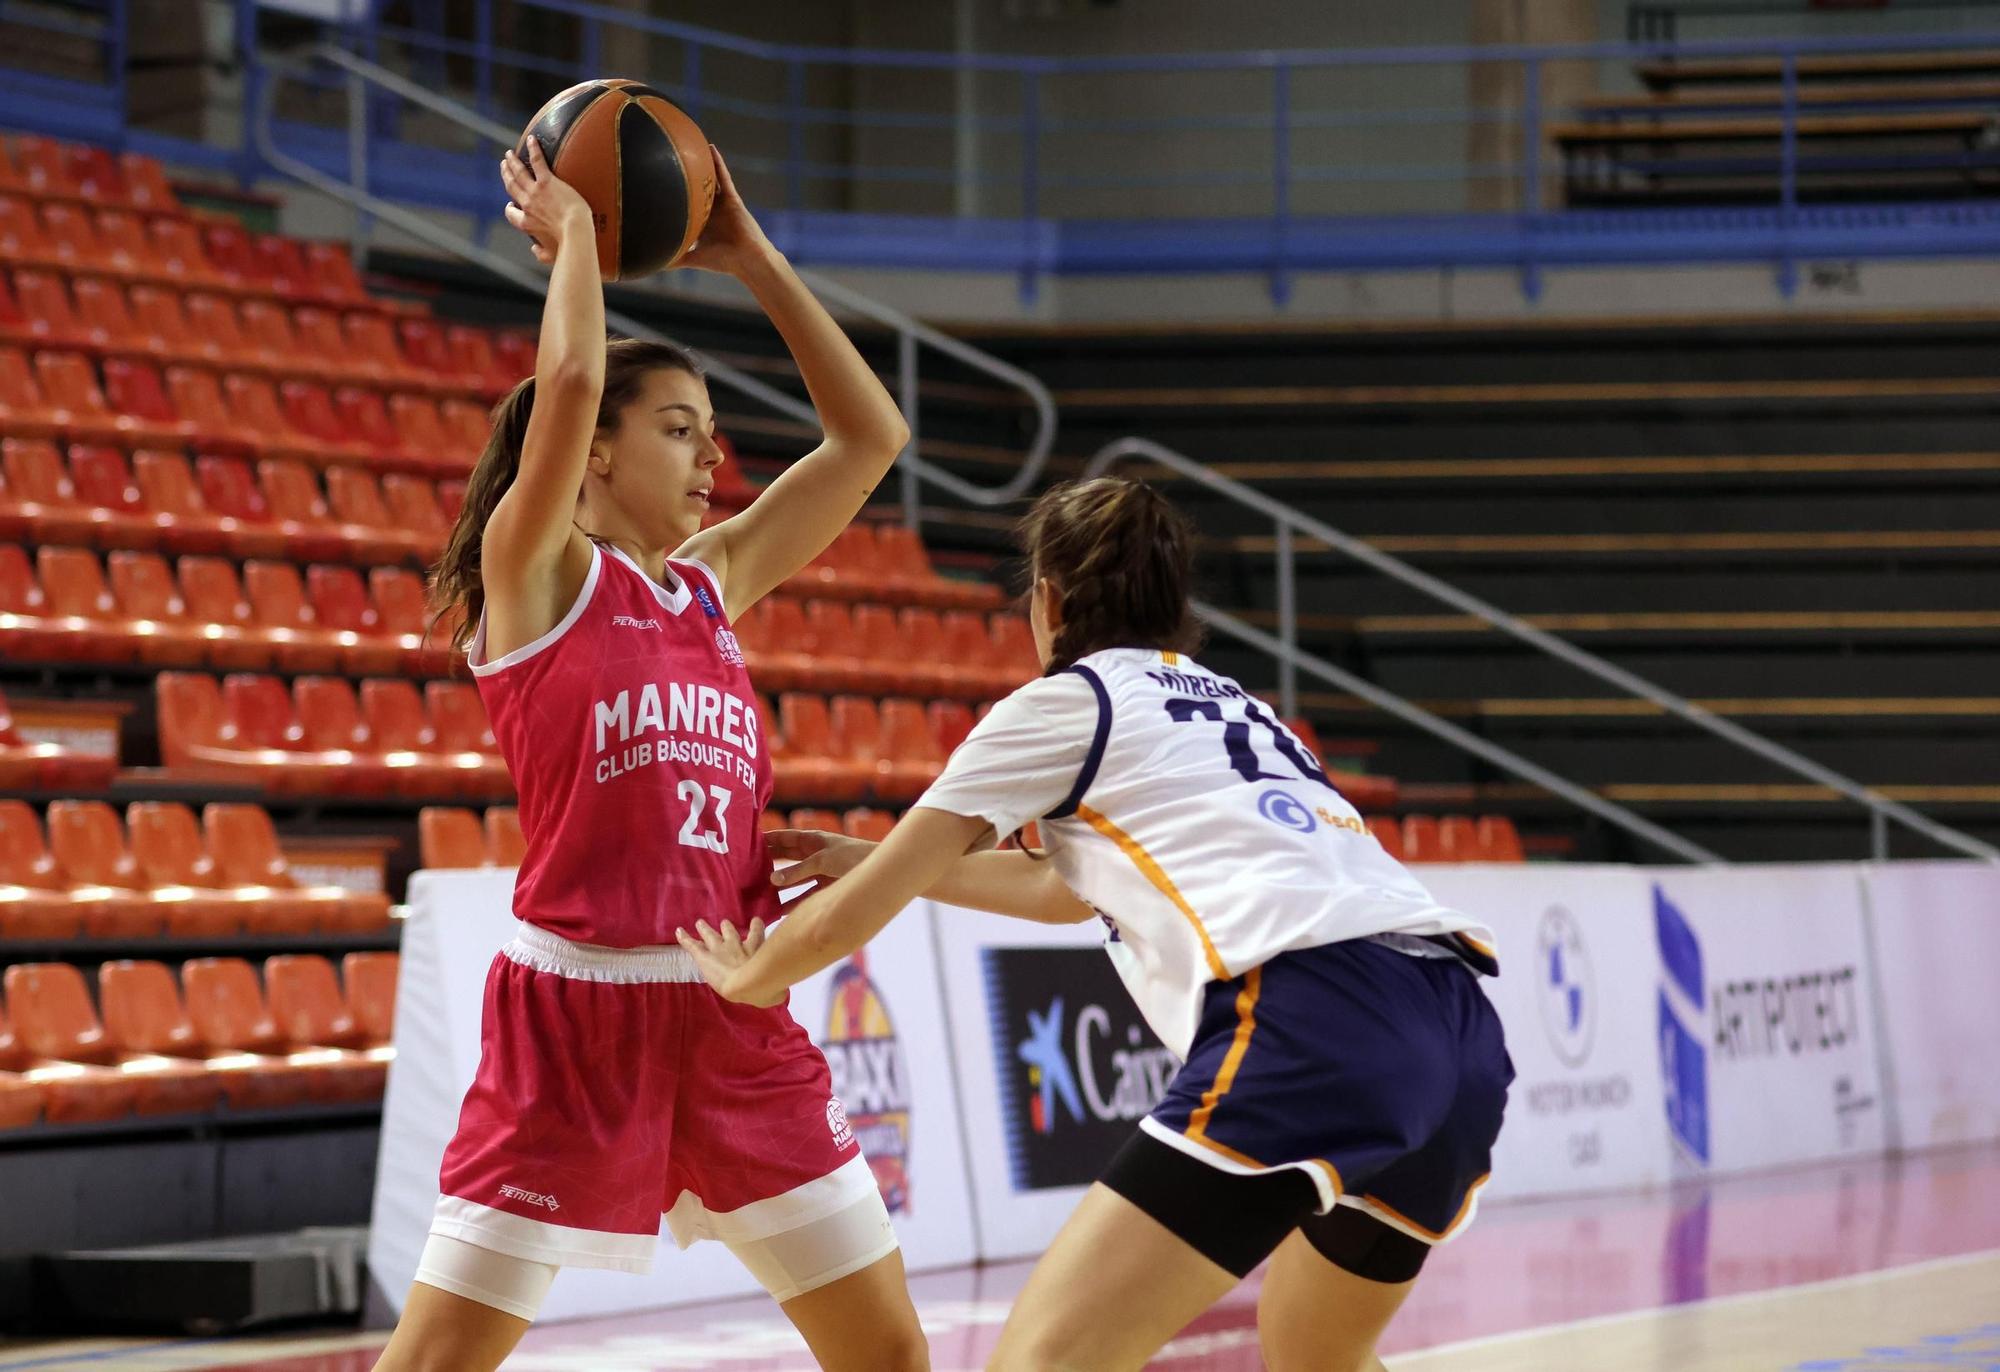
(707, 604)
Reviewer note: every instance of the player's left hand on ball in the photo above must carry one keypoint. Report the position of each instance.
(720, 953)
(731, 239)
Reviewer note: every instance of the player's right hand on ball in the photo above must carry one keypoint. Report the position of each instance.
(816, 855)
(544, 206)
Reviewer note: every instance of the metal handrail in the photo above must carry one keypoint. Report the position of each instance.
(909, 332)
(1289, 522)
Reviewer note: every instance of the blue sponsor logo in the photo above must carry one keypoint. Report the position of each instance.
(1286, 811)
(1682, 1028)
(1048, 1068)
(707, 604)
(1568, 987)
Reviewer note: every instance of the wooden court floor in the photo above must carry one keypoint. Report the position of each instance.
(1860, 1267)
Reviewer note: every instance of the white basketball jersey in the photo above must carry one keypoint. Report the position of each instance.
(1184, 812)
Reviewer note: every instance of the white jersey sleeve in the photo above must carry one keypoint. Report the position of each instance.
(1026, 757)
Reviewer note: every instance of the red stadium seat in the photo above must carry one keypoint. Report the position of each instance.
(1014, 648)
(102, 480)
(168, 492)
(214, 595)
(282, 265)
(146, 185)
(1499, 841)
(332, 273)
(107, 319)
(462, 728)
(267, 327)
(144, 1013)
(467, 423)
(78, 596)
(403, 611)
(179, 255)
(425, 437)
(39, 501)
(911, 758)
(414, 512)
(215, 333)
(340, 602)
(775, 639)
(94, 173)
(429, 354)
(230, 488)
(372, 344)
(516, 350)
(373, 531)
(312, 531)
(950, 722)
(872, 825)
(88, 844)
(330, 722)
(279, 605)
(24, 411)
(244, 845)
(912, 669)
(228, 1012)
(50, 314)
(474, 359)
(149, 418)
(178, 873)
(835, 653)
(34, 901)
(823, 821)
(72, 232)
(367, 418)
(20, 1098)
(319, 337)
(371, 994)
(128, 252)
(506, 845)
(451, 497)
(69, 1052)
(1388, 833)
(309, 410)
(805, 757)
(197, 397)
(253, 400)
(15, 327)
(1420, 839)
(143, 587)
(27, 628)
(1458, 839)
(449, 836)
(314, 1021)
(402, 728)
(924, 633)
(43, 169)
(227, 248)
(23, 240)
(70, 383)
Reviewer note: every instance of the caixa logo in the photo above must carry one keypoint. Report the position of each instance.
(1683, 1028)
(1076, 1063)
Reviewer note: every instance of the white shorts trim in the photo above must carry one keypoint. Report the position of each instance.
(511, 1285)
(477, 648)
(539, 950)
(689, 1220)
(1403, 1226)
(541, 1241)
(1181, 1143)
(822, 1251)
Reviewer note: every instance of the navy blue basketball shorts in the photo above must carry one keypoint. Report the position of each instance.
(1350, 1091)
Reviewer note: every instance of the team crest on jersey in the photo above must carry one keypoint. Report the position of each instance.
(707, 603)
(870, 1073)
(731, 650)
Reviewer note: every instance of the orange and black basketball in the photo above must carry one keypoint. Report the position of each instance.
(643, 165)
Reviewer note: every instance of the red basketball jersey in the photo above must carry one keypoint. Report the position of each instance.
(632, 732)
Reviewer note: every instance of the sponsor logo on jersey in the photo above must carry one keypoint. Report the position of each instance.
(871, 1075)
(707, 604)
(837, 1125)
(529, 1197)
(731, 650)
(1077, 1065)
(628, 622)
(1286, 811)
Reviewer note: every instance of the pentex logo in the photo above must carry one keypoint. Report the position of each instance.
(871, 1074)
(627, 622)
(529, 1197)
(1683, 1028)
(1566, 986)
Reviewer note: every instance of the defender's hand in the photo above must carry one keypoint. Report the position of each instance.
(719, 954)
(817, 855)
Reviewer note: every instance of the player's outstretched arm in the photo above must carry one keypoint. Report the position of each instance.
(829, 925)
(792, 522)
(1010, 883)
(532, 528)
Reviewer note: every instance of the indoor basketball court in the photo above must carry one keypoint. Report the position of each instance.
(656, 658)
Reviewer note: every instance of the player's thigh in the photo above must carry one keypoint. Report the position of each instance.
(1110, 1256)
(443, 1332)
(862, 1322)
(1316, 1316)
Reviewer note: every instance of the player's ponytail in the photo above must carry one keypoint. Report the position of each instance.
(456, 582)
(1123, 560)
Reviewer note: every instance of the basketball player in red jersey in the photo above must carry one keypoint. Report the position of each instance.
(614, 1086)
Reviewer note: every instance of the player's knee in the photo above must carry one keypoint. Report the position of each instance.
(905, 1350)
(1043, 1350)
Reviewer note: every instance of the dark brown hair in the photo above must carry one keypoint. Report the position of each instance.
(1123, 559)
(456, 581)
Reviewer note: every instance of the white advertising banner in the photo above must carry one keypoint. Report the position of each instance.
(878, 1020)
(1056, 1068)
(1764, 1017)
(1575, 994)
(1937, 950)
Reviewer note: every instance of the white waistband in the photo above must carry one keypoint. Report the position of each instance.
(546, 952)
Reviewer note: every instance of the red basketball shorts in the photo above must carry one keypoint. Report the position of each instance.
(614, 1086)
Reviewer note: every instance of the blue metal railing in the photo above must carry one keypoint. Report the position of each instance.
(1270, 161)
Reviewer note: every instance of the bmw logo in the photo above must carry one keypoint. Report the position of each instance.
(1285, 810)
(1565, 986)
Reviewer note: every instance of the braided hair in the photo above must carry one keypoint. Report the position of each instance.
(1123, 560)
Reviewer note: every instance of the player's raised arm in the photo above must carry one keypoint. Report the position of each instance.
(793, 521)
(532, 527)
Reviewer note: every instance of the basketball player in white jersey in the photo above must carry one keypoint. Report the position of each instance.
(1343, 1074)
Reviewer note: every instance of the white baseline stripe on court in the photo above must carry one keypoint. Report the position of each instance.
(1688, 1307)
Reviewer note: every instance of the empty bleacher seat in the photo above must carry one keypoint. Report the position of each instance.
(34, 903)
(64, 1058)
(1388, 833)
(449, 836)
(145, 1012)
(370, 983)
(229, 1015)
(88, 843)
(174, 865)
(506, 845)
(55, 1020)
(244, 845)
(313, 1019)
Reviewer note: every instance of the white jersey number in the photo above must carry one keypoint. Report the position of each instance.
(696, 799)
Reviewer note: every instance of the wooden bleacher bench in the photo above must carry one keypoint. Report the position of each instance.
(1665, 73)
